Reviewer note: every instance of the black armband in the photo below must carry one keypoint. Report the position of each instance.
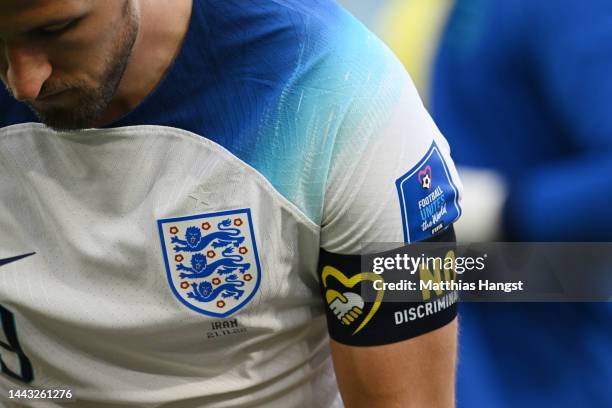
(359, 315)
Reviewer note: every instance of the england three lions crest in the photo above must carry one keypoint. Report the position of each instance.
(211, 260)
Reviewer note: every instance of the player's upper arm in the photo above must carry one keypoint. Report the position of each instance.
(391, 179)
(388, 353)
(411, 373)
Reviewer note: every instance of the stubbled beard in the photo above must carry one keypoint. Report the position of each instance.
(91, 102)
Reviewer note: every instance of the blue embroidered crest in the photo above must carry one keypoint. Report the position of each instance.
(428, 197)
(211, 260)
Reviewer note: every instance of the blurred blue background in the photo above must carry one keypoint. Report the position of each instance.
(521, 89)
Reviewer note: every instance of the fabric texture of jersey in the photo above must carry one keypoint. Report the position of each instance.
(282, 127)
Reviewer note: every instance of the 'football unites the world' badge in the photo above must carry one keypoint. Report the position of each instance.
(211, 260)
(429, 199)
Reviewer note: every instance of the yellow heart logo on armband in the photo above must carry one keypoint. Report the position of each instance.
(348, 306)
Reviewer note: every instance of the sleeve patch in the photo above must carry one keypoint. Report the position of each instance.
(428, 197)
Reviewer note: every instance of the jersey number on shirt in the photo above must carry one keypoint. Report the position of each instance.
(10, 350)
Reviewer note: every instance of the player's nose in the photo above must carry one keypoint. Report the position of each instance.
(27, 69)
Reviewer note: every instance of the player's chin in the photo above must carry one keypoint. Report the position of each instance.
(67, 117)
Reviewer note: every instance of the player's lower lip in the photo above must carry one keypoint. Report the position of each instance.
(49, 96)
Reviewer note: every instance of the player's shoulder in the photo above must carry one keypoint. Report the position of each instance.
(244, 19)
(290, 37)
(283, 85)
(317, 60)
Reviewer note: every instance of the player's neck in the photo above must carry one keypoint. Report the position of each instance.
(163, 27)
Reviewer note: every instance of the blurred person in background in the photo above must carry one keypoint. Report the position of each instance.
(521, 90)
